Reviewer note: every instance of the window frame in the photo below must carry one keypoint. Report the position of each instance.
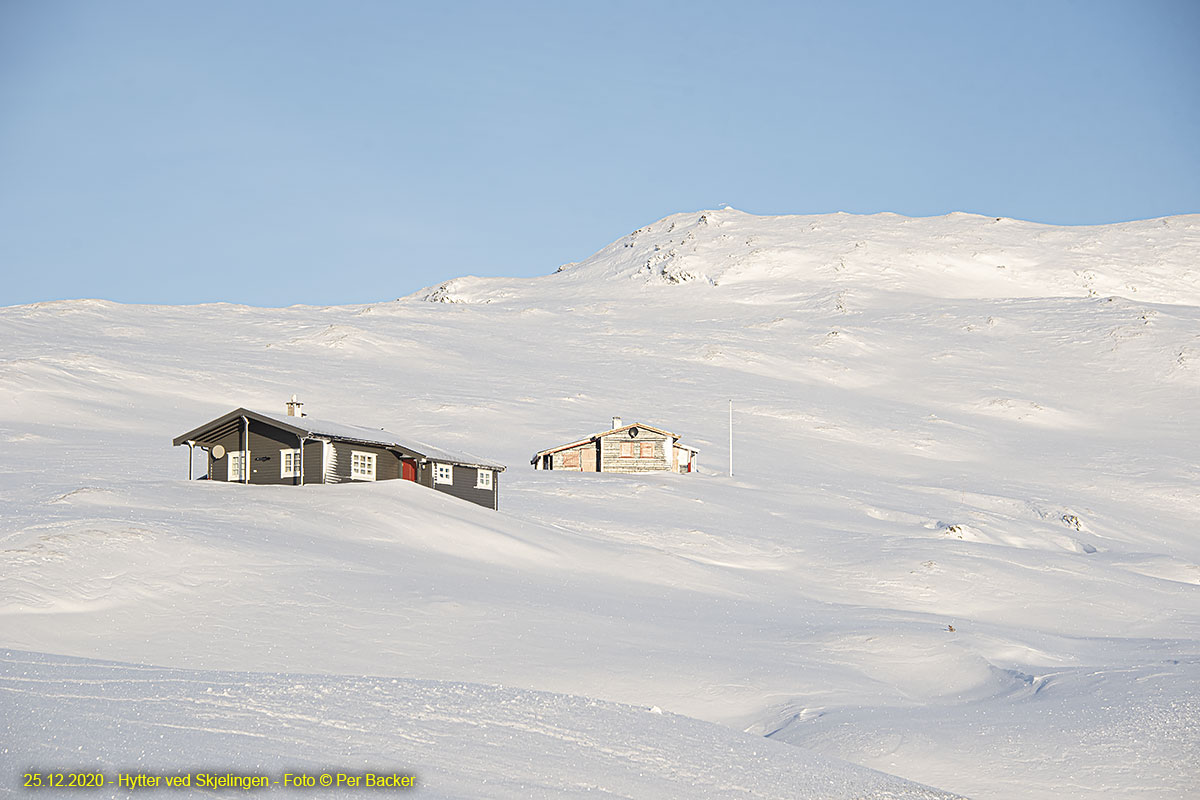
(646, 450)
(358, 459)
(448, 480)
(242, 458)
(484, 479)
(627, 450)
(294, 472)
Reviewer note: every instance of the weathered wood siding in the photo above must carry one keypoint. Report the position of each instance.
(613, 461)
(576, 459)
(683, 458)
(464, 487)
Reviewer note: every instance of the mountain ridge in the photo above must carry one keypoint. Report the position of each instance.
(957, 255)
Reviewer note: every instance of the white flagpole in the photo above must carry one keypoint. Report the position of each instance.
(731, 438)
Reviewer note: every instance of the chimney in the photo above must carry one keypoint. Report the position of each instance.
(293, 407)
(616, 423)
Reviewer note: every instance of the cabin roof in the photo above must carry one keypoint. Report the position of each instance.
(601, 434)
(339, 431)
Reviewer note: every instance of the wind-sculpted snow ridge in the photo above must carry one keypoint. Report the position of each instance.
(458, 740)
(1076, 710)
(953, 256)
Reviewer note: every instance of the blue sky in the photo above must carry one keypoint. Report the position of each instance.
(273, 152)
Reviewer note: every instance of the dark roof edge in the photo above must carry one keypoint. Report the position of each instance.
(232, 415)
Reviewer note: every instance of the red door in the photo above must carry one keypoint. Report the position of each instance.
(408, 469)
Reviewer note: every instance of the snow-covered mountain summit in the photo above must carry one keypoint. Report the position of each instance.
(953, 256)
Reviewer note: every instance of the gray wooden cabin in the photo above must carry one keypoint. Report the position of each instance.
(623, 448)
(247, 446)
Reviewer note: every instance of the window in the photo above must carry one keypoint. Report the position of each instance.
(362, 466)
(483, 479)
(443, 473)
(626, 449)
(289, 463)
(647, 449)
(236, 464)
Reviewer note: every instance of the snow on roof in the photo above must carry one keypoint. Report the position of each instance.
(595, 436)
(377, 436)
(338, 430)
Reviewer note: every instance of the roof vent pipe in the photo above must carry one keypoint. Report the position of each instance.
(294, 406)
(616, 422)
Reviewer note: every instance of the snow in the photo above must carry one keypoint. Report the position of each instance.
(960, 545)
(357, 433)
(457, 740)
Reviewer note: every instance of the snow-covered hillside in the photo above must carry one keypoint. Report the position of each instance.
(961, 544)
(456, 740)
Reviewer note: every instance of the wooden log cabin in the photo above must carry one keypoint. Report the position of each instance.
(246, 446)
(623, 448)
